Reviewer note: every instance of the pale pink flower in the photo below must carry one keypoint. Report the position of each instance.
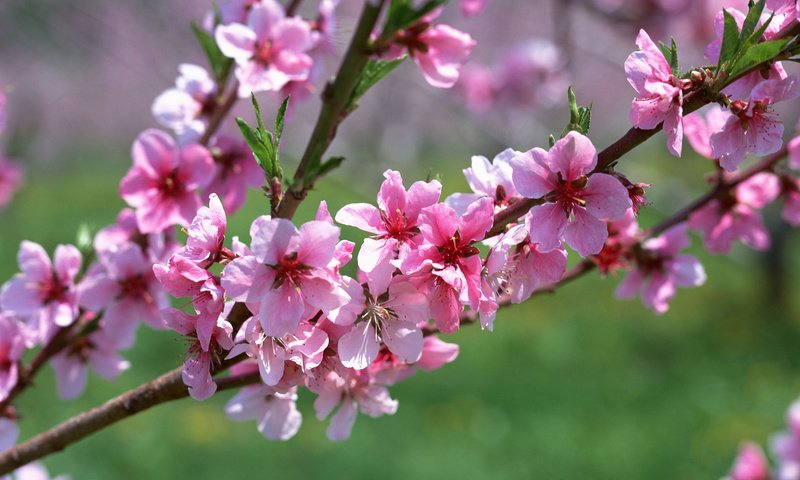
(124, 287)
(378, 316)
(477, 84)
(206, 235)
(394, 223)
(436, 353)
(44, 293)
(472, 7)
(325, 26)
(487, 179)
(97, 350)
(236, 171)
(750, 464)
(786, 446)
(33, 471)
(274, 411)
(752, 127)
(156, 247)
(269, 51)
(532, 74)
(10, 179)
(735, 216)
(577, 204)
(530, 268)
(9, 431)
(235, 11)
(287, 274)
(185, 109)
(439, 52)
(351, 391)
(162, 184)
(12, 346)
(660, 92)
(698, 128)
(200, 357)
(446, 266)
(661, 269)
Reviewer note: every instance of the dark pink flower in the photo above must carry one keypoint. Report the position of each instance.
(163, 182)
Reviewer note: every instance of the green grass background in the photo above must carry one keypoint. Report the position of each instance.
(574, 385)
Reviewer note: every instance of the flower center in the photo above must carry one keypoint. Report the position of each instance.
(170, 186)
(289, 269)
(568, 194)
(454, 250)
(397, 226)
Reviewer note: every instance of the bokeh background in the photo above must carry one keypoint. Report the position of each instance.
(573, 385)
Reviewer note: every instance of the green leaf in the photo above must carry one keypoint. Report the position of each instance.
(756, 54)
(280, 120)
(373, 72)
(402, 14)
(261, 150)
(752, 18)
(730, 39)
(265, 144)
(580, 117)
(327, 166)
(671, 55)
(219, 63)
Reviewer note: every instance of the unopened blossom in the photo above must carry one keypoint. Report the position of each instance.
(97, 350)
(186, 108)
(446, 266)
(438, 50)
(10, 179)
(576, 204)
(394, 224)
(162, 184)
(44, 293)
(750, 464)
(274, 411)
(472, 7)
(236, 171)
(390, 317)
(735, 216)
(288, 274)
(660, 92)
(12, 346)
(269, 51)
(661, 268)
(752, 127)
(488, 179)
(351, 391)
(9, 431)
(200, 357)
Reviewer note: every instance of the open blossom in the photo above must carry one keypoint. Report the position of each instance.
(393, 322)
(487, 179)
(660, 92)
(436, 353)
(44, 293)
(351, 391)
(530, 268)
(163, 181)
(288, 274)
(735, 216)
(752, 127)
(275, 411)
(576, 204)
(270, 51)
(699, 128)
(12, 346)
(661, 269)
(394, 223)
(200, 357)
(185, 108)
(750, 464)
(97, 350)
(124, 287)
(446, 266)
(156, 247)
(206, 234)
(10, 179)
(236, 171)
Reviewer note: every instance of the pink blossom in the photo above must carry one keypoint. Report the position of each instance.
(275, 412)
(394, 223)
(97, 350)
(325, 27)
(287, 274)
(236, 171)
(156, 247)
(661, 268)
(488, 179)
(735, 216)
(33, 471)
(44, 293)
(162, 184)
(750, 464)
(124, 287)
(185, 108)
(791, 200)
(351, 391)
(576, 204)
(698, 128)
(206, 234)
(235, 11)
(200, 357)
(477, 83)
(9, 431)
(660, 92)
(436, 353)
(622, 236)
(472, 7)
(786, 446)
(530, 268)
(382, 316)
(793, 146)
(752, 127)
(446, 266)
(269, 51)
(10, 179)
(12, 346)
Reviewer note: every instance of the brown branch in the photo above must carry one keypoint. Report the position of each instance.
(222, 110)
(292, 6)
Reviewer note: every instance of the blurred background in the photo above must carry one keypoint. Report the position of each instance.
(573, 385)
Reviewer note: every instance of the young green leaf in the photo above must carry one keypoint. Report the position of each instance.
(730, 39)
(219, 63)
(752, 18)
(373, 72)
(756, 54)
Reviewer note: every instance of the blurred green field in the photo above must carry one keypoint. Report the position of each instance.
(574, 385)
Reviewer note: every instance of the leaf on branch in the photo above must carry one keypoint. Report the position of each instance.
(219, 63)
(751, 20)
(756, 54)
(403, 14)
(324, 168)
(373, 72)
(580, 117)
(264, 144)
(730, 39)
(671, 54)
